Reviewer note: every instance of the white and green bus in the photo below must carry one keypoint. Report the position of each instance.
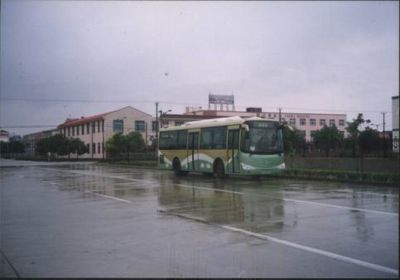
(233, 145)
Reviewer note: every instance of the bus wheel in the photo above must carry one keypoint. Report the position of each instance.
(219, 169)
(176, 166)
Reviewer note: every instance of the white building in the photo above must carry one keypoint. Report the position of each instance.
(395, 122)
(95, 130)
(307, 123)
(4, 136)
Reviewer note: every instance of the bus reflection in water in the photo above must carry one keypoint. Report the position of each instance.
(250, 212)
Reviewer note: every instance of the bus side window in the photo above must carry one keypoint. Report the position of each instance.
(205, 141)
(173, 140)
(182, 139)
(219, 138)
(163, 140)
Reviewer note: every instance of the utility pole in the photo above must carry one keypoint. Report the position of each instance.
(384, 135)
(280, 114)
(157, 125)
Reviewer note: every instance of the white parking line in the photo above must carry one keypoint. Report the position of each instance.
(296, 200)
(290, 244)
(109, 196)
(316, 251)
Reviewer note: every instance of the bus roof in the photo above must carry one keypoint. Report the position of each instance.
(214, 122)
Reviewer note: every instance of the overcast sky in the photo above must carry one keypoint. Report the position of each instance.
(338, 57)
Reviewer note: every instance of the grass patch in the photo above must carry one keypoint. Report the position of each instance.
(342, 175)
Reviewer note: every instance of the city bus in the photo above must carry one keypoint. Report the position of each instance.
(223, 146)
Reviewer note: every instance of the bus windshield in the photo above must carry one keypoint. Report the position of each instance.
(262, 138)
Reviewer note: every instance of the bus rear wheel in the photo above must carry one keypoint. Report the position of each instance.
(219, 169)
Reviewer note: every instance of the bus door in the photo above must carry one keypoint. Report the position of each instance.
(193, 151)
(233, 151)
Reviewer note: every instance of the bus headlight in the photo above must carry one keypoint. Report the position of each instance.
(281, 166)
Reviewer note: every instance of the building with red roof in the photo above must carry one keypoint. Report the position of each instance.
(95, 130)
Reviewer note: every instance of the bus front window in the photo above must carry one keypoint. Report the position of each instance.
(262, 138)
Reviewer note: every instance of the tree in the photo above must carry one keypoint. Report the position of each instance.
(14, 146)
(114, 144)
(77, 146)
(369, 141)
(354, 131)
(125, 144)
(60, 145)
(133, 142)
(293, 140)
(327, 138)
(43, 146)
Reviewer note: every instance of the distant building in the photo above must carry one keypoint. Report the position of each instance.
(95, 130)
(307, 123)
(4, 135)
(395, 123)
(30, 140)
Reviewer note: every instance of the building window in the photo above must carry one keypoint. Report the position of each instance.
(73, 130)
(341, 122)
(93, 148)
(139, 126)
(313, 122)
(77, 130)
(83, 129)
(98, 147)
(302, 121)
(322, 122)
(292, 121)
(98, 127)
(88, 148)
(102, 147)
(332, 122)
(88, 128)
(102, 126)
(118, 126)
(153, 125)
(68, 131)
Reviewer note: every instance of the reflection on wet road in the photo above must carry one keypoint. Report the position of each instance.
(354, 225)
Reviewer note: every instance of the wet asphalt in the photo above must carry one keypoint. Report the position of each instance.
(94, 220)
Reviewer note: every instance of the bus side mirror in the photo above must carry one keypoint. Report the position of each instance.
(246, 127)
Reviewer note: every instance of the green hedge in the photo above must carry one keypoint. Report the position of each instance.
(338, 175)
